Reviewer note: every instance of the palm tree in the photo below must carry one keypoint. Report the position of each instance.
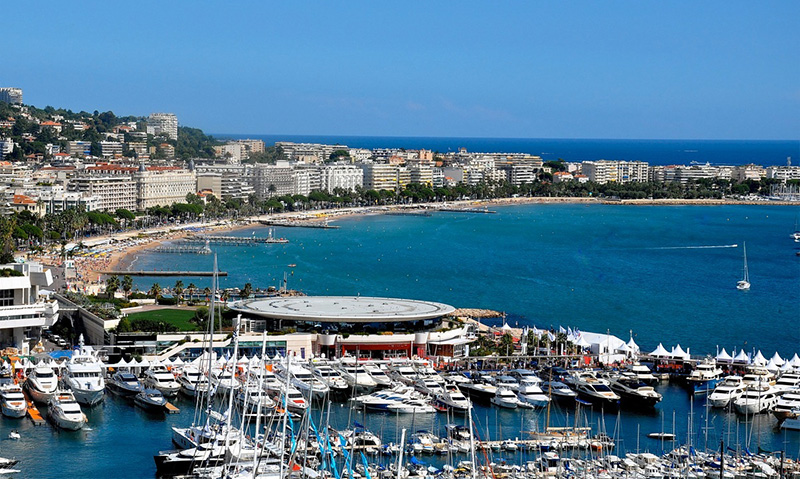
(178, 290)
(191, 289)
(127, 285)
(155, 290)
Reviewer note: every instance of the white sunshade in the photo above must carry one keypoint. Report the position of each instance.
(679, 353)
(506, 327)
(771, 366)
(724, 356)
(759, 359)
(795, 360)
(660, 352)
(777, 359)
(632, 346)
(583, 343)
(177, 361)
(741, 357)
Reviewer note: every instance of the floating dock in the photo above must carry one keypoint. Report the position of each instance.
(33, 412)
(170, 408)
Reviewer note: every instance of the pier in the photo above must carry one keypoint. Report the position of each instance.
(467, 210)
(409, 213)
(183, 250)
(299, 224)
(235, 240)
(33, 411)
(163, 273)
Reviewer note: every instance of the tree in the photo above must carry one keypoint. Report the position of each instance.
(246, 291)
(127, 285)
(178, 290)
(155, 290)
(112, 285)
(192, 288)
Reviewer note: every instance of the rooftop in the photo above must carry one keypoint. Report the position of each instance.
(343, 308)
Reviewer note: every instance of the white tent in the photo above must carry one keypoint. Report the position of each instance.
(741, 357)
(17, 364)
(772, 366)
(583, 343)
(795, 361)
(143, 363)
(243, 359)
(759, 359)
(660, 352)
(632, 346)
(254, 360)
(679, 353)
(119, 364)
(723, 356)
(506, 327)
(177, 361)
(787, 366)
(777, 359)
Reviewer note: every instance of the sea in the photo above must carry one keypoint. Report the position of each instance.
(655, 152)
(661, 274)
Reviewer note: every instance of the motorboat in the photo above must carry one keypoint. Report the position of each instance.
(788, 381)
(452, 398)
(507, 382)
(124, 383)
(161, 378)
(411, 406)
(330, 377)
(251, 397)
(559, 391)
(705, 377)
(357, 377)
(531, 392)
(505, 398)
(41, 384)
(744, 283)
(294, 400)
(787, 405)
(428, 386)
(423, 442)
(757, 375)
(152, 400)
(758, 399)
(193, 381)
(381, 400)
(378, 375)
(642, 372)
(222, 381)
(478, 391)
(403, 372)
(595, 390)
(65, 412)
(730, 389)
(301, 378)
(13, 401)
(792, 420)
(632, 390)
(84, 375)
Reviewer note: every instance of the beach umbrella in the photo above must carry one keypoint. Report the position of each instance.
(777, 359)
(759, 360)
(632, 346)
(723, 356)
(660, 352)
(679, 353)
(741, 357)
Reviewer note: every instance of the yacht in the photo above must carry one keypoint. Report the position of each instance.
(84, 375)
(730, 389)
(757, 399)
(744, 283)
(594, 389)
(788, 381)
(757, 375)
(452, 398)
(13, 401)
(507, 382)
(152, 400)
(65, 412)
(403, 372)
(530, 391)
(642, 372)
(478, 391)
(505, 398)
(251, 396)
(222, 381)
(193, 382)
(378, 375)
(161, 378)
(428, 386)
(705, 377)
(331, 377)
(124, 383)
(42, 383)
(632, 390)
(302, 379)
(357, 377)
(295, 400)
(787, 405)
(410, 406)
(381, 400)
(559, 391)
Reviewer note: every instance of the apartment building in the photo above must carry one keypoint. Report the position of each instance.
(23, 313)
(347, 177)
(79, 148)
(226, 181)
(113, 191)
(110, 149)
(163, 123)
(783, 172)
(606, 171)
(382, 176)
(232, 153)
(273, 180)
(163, 185)
(11, 95)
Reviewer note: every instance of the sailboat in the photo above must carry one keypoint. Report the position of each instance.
(796, 235)
(744, 284)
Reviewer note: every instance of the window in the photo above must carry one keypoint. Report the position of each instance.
(6, 297)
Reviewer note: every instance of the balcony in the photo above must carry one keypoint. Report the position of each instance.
(41, 314)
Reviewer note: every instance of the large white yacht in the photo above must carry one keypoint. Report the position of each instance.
(642, 372)
(13, 401)
(787, 405)
(594, 389)
(452, 398)
(530, 391)
(84, 375)
(222, 381)
(357, 377)
(65, 412)
(160, 378)
(506, 398)
(330, 376)
(302, 379)
(379, 375)
(730, 389)
(42, 383)
(192, 381)
(757, 399)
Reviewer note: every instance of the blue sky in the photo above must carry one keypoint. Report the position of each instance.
(580, 69)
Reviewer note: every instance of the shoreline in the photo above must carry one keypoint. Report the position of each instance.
(122, 257)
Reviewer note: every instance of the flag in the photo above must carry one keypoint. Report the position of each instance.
(561, 329)
(366, 466)
(358, 425)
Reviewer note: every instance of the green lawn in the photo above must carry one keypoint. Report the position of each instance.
(177, 317)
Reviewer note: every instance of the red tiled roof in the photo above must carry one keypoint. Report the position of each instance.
(23, 200)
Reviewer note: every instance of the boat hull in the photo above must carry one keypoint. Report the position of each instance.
(66, 423)
(88, 397)
(14, 411)
(38, 395)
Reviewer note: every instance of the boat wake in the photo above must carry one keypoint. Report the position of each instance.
(696, 247)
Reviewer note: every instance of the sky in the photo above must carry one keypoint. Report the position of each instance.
(512, 69)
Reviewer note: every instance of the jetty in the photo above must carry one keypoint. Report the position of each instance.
(234, 240)
(183, 250)
(299, 224)
(170, 408)
(163, 273)
(33, 411)
(467, 210)
(408, 213)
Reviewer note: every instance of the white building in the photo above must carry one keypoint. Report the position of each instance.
(274, 180)
(166, 123)
(110, 148)
(607, 171)
(783, 172)
(11, 95)
(383, 176)
(233, 153)
(6, 147)
(347, 177)
(163, 186)
(115, 192)
(23, 313)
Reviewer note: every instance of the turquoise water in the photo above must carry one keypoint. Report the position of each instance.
(596, 267)
(593, 267)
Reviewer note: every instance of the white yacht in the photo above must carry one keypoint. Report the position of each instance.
(788, 381)
(357, 377)
(42, 383)
(530, 391)
(411, 406)
(222, 381)
(84, 375)
(160, 378)
(757, 399)
(251, 396)
(13, 401)
(594, 389)
(65, 412)
(787, 405)
(744, 283)
(428, 386)
(452, 398)
(192, 381)
(730, 389)
(294, 399)
(381, 400)
(558, 391)
(378, 375)
(403, 372)
(330, 376)
(507, 382)
(642, 372)
(302, 379)
(505, 398)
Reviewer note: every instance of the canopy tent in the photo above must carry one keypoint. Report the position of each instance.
(679, 353)
(723, 356)
(759, 359)
(632, 346)
(742, 357)
(772, 366)
(777, 359)
(795, 361)
(177, 361)
(583, 343)
(660, 352)
(506, 327)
